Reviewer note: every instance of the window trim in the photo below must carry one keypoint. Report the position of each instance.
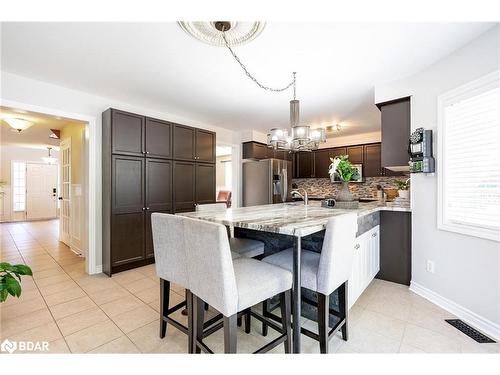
(478, 85)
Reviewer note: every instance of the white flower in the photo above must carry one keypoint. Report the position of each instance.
(333, 166)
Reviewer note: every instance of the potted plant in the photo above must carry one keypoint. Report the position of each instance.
(10, 277)
(403, 187)
(343, 168)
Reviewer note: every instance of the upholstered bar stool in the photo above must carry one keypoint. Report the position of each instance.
(244, 247)
(325, 272)
(230, 285)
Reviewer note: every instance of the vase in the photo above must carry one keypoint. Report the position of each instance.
(344, 194)
(404, 194)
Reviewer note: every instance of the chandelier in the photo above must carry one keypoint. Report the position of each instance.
(296, 138)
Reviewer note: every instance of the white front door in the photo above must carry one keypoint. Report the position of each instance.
(65, 193)
(41, 191)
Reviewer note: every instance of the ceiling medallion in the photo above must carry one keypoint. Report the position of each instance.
(210, 32)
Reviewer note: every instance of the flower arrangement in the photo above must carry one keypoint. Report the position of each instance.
(343, 168)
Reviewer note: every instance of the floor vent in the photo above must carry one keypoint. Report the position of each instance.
(469, 331)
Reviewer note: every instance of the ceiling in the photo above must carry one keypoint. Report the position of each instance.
(159, 66)
(36, 136)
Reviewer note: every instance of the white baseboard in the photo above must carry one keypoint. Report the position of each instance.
(482, 324)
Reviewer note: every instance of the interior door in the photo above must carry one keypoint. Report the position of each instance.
(205, 146)
(65, 192)
(41, 191)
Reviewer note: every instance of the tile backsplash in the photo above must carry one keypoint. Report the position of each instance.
(325, 188)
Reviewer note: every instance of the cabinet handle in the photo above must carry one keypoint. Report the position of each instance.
(147, 208)
(357, 246)
(374, 234)
(147, 152)
(144, 208)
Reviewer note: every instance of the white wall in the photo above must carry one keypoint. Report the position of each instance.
(467, 269)
(9, 153)
(33, 92)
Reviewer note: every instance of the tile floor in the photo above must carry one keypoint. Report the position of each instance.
(79, 313)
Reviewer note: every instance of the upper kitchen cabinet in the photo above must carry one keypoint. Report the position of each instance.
(395, 133)
(322, 163)
(127, 133)
(338, 151)
(304, 164)
(184, 142)
(371, 165)
(205, 146)
(356, 154)
(158, 138)
(255, 150)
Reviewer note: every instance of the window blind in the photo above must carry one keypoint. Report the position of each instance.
(471, 162)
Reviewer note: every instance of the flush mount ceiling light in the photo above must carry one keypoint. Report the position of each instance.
(237, 33)
(18, 124)
(230, 34)
(49, 159)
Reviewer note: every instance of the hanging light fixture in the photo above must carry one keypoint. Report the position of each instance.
(49, 159)
(298, 137)
(18, 124)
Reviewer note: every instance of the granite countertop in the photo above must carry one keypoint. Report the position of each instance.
(292, 218)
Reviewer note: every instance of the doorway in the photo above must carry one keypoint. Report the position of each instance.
(224, 175)
(41, 191)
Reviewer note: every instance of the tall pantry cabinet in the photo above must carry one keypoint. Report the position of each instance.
(140, 176)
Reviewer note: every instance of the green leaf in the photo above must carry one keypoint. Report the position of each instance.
(13, 286)
(3, 295)
(5, 267)
(22, 269)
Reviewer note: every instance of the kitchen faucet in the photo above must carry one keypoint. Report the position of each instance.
(304, 197)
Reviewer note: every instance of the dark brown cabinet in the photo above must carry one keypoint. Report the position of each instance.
(371, 165)
(355, 154)
(258, 151)
(304, 164)
(158, 138)
(322, 163)
(127, 133)
(338, 151)
(395, 119)
(148, 165)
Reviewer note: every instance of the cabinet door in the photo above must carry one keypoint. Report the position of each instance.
(254, 150)
(395, 133)
(127, 239)
(321, 163)
(184, 186)
(205, 183)
(127, 133)
(355, 279)
(304, 165)
(158, 139)
(338, 151)
(158, 185)
(375, 249)
(149, 249)
(127, 184)
(371, 165)
(184, 142)
(205, 146)
(282, 155)
(355, 154)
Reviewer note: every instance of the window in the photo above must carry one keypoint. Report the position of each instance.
(468, 157)
(228, 173)
(19, 185)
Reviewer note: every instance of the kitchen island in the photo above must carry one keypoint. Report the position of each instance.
(290, 224)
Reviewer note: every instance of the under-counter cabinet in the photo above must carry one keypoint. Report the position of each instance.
(366, 263)
(141, 176)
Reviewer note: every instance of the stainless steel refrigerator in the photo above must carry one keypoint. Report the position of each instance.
(266, 181)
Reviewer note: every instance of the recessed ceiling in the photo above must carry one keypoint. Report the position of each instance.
(159, 66)
(36, 136)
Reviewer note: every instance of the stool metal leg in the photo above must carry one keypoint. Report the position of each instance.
(323, 320)
(344, 308)
(197, 320)
(286, 315)
(265, 328)
(248, 317)
(164, 299)
(230, 334)
(189, 302)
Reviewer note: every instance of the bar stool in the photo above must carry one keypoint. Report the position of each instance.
(231, 285)
(323, 273)
(245, 247)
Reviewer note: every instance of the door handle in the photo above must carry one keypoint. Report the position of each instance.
(60, 198)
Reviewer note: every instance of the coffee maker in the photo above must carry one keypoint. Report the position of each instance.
(420, 151)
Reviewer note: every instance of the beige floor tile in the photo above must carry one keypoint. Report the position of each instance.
(20, 309)
(120, 345)
(139, 285)
(71, 307)
(93, 337)
(136, 318)
(81, 320)
(58, 346)
(430, 341)
(382, 324)
(53, 280)
(366, 341)
(112, 294)
(391, 307)
(64, 296)
(148, 271)
(56, 271)
(98, 284)
(149, 295)
(127, 277)
(121, 305)
(147, 338)
(26, 296)
(57, 288)
(46, 332)
(25, 322)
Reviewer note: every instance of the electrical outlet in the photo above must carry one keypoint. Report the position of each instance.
(430, 266)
